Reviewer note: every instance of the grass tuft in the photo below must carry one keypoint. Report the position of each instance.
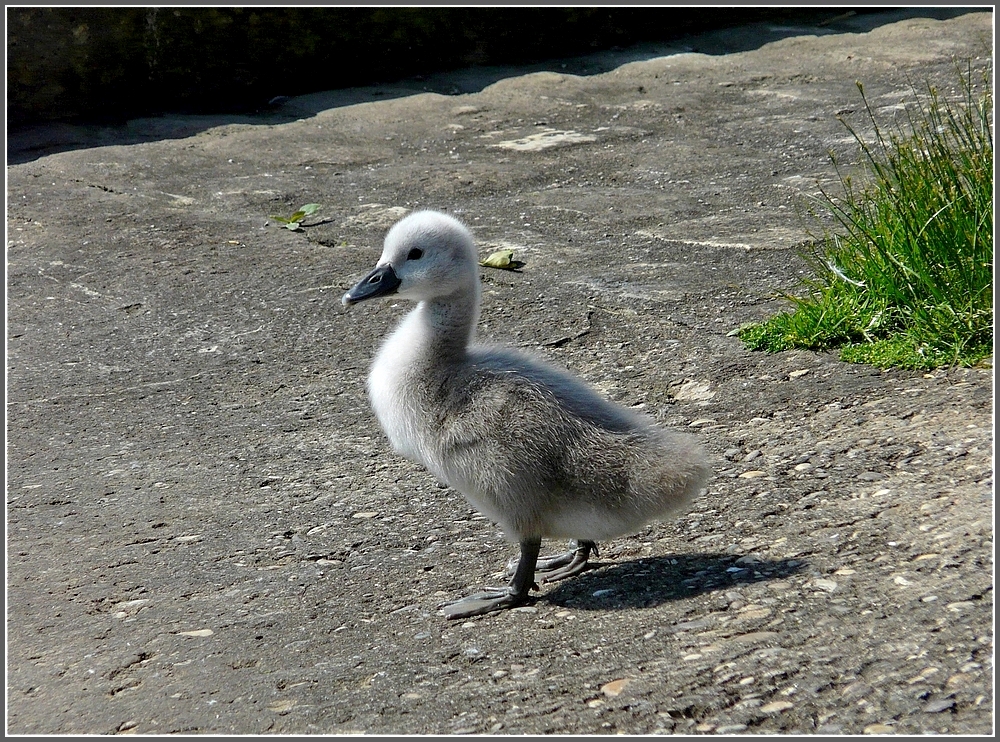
(905, 279)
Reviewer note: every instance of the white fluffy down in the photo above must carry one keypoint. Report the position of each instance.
(531, 446)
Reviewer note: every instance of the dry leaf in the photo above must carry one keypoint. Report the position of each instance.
(503, 259)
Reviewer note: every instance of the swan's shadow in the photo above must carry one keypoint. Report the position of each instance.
(651, 581)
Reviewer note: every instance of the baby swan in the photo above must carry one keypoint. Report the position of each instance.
(532, 447)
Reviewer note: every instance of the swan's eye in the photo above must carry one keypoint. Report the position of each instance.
(415, 254)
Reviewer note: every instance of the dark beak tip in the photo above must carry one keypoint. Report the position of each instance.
(380, 282)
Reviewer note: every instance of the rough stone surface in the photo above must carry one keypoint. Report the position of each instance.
(208, 534)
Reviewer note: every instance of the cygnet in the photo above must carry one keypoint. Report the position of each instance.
(532, 447)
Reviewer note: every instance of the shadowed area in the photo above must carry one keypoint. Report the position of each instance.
(289, 97)
(652, 581)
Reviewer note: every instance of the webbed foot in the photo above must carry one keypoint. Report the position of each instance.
(499, 598)
(560, 566)
(492, 599)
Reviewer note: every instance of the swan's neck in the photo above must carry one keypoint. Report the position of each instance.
(432, 337)
(448, 327)
(429, 342)
(440, 330)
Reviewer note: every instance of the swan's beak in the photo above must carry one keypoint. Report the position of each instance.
(380, 282)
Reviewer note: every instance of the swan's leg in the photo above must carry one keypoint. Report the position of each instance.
(496, 599)
(561, 566)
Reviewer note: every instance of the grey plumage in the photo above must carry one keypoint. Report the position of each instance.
(531, 446)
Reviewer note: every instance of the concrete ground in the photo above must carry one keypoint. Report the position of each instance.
(207, 532)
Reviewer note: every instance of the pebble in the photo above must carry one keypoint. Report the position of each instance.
(879, 729)
(282, 706)
(856, 690)
(826, 585)
(804, 466)
(957, 680)
(731, 728)
(935, 504)
(694, 391)
(698, 623)
(752, 474)
(924, 674)
(700, 422)
(936, 707)
(128, 605)
(797, 374)
(754, 636)
(196, 632)
(960, 606)
(365, 516)
(187, 539)
(776, 707)
(615, 687)
(871, 476)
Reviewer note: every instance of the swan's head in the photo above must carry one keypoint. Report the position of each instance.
(427, 255)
